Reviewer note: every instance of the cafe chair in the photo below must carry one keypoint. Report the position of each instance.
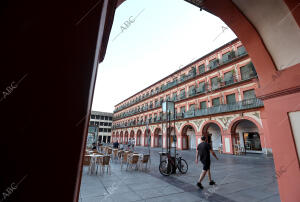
(133, 160)
(144, 161)
(104, 162)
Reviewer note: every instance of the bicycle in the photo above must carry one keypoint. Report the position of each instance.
(166, 167)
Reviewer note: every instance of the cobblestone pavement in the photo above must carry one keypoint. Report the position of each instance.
(239, 178)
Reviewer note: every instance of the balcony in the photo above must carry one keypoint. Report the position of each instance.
(241, 105)
(223, 108)
(213, 65)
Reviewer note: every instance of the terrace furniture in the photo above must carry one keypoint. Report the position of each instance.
(103, 162)
(133, 159)
(120, 154)
(124, 158)
(144, 160)
(93, 161)
(115, 154)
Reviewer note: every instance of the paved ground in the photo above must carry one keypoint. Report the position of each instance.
(239, 178)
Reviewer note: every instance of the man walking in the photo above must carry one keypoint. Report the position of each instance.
(203, 150)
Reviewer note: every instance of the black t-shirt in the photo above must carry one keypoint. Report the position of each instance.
(203, 151)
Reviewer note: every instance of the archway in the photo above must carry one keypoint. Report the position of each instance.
(118, 137)
(131, 137)
(246, 136)
(113, 136)
(173, 137)
(147, 137)
(213, 134)
(121, 137)
(126, 137)
(188, 135)
(138, 137)
(158, 138)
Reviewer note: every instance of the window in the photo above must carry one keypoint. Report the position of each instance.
(105, 130)
(92, 116)
(105, 124)
(101, 123)
(216, 102)
(174, 98)
(100, 129)
(248, 71)
(214, 82)
(228, 78)
(182, 109)
(249, 94)
(182, 94)
(192, 107)
(110, 118)
(92, 123)
(192, 72)
(201, 69)
(168, 98)
(102, 117)
(201, 88)
(241, 51)
(106, 117)
(109, 130)
(161, 100)
(228, 56)
(213, 63)
(97, 116)
(156, 103)
(192, 90)
(230, 99)
(203, 105)
(182, 77)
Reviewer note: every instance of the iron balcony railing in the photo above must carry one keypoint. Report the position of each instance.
(241, 105)
(199, 91)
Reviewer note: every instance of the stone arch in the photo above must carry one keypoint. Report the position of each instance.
(147, 135)
(233, 124)
(158, 137)
(246, 133)
(121, 137)
(213, 131)
(138, 137)
(126, 137)
(188, 123)
(188, 136)
(132, 133)
(211, 121)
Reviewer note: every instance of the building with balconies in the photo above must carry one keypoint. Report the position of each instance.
(101, 121)
(214, 96)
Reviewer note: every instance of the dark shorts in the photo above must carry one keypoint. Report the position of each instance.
(206, 165)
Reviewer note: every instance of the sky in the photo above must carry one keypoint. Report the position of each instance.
(150, 40)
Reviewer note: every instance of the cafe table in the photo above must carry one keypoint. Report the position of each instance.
(94, 161)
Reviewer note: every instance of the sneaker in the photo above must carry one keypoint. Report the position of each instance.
(212, 183)
(199, 185)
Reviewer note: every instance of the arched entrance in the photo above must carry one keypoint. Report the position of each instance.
(188, 135)
(132, 136)
(246, 135)
(213, 134)
(126, 137)
(117, 137)
(121, 137)
(147, 137)
(138, 137)
(158, 138)
(173, 137)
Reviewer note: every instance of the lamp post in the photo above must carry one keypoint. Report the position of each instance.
(168, 108)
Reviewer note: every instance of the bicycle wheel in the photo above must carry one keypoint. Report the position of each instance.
(183, 166)
(165, 168)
